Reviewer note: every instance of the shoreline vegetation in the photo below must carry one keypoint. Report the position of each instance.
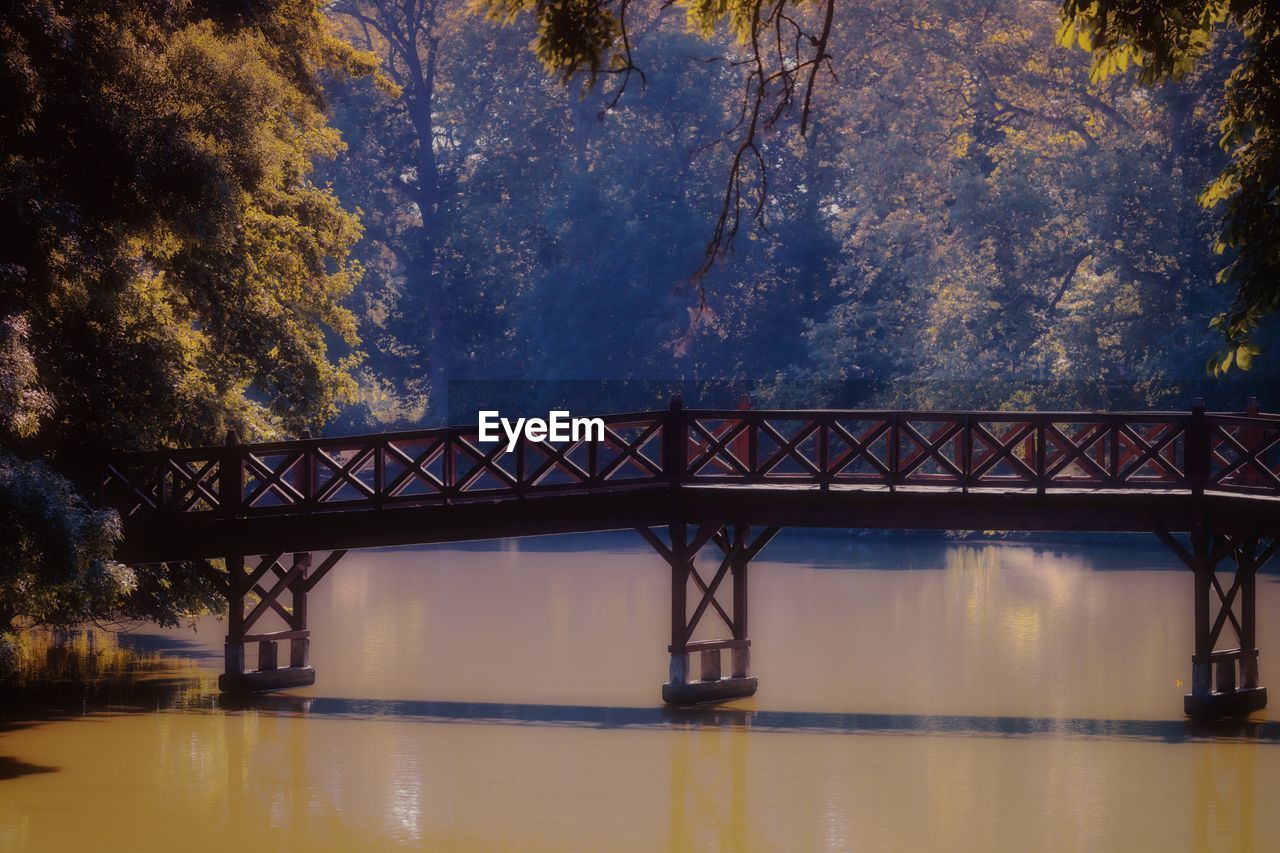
(78, 669)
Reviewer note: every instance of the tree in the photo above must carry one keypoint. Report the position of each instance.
(563, 216)
(169, 271)
(786, 45)
(1167, 41)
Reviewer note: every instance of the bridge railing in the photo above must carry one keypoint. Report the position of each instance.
(1243, 454)
(387, 469)
(1040, 452)
(963, 450)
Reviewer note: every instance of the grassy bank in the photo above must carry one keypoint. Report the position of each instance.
(81, 667)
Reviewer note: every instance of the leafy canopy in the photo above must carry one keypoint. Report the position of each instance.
(1166, 40)
(168, 268)
(1162, 40)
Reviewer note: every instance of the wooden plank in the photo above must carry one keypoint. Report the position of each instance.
(1172, 544)
(656, 543)
(195, 535)
(269, 596)
(276, 635)
(709, 596)
(268, 563)
(323, 569)
(705, 645)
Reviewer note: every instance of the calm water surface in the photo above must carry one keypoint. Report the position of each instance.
(914, 695)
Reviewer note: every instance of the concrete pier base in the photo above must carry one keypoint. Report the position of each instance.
(1235, 691)
(1235, 703)
(259, 680)
(702, 692)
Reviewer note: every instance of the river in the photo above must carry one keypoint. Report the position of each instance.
(915, 695)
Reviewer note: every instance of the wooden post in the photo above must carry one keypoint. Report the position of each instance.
(233, 651)
(710, 669)
(1197, 448)
(267, 656)
(1252, 441)
(679, 668)
(1247, 566)
(1041, 467)
(305, 476)
(230, 477)
(1201, 662)
(740, 658)
(675, 442)
(894, 449)
(742, 444)
(300, 647)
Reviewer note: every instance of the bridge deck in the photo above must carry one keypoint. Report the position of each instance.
(626, 507)
(728, 480)
(1051, 471)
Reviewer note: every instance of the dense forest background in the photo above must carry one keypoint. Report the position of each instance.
(264, 217)
(968, 221)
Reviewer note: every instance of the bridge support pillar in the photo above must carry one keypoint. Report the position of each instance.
(1224, 681)
(297, 580)
(737, 548)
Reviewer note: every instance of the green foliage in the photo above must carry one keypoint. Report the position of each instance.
(169, 269)
(969, 215)
(559, 228)
(573, 35)
(56, 566)
(1168, 40)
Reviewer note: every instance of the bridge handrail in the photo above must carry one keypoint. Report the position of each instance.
(924, 414)
(823, 448)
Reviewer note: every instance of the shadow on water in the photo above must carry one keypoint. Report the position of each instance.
(605, 717)
(13, 768)
(167, 646)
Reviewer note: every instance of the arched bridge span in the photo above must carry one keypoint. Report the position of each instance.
(1207, 484)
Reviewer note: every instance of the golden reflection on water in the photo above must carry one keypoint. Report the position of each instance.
(895, 706)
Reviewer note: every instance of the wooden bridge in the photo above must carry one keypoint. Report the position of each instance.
(1207, 484)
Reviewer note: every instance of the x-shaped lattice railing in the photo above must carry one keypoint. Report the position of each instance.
(556, 460)
(483, 463)
(822, 448)
(1061, 451)
(715, 448)
(343, 474)
(929, 449)
(1248, 459)
(629, 451)
(789, 448)
(415, 467)
(860, 449)
(1001, 449)
(1151, 449)
(272, 479)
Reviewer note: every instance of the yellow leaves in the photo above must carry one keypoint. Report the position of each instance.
(1067, 33)
(1241, 349)
(1223, 188)
(703, 16)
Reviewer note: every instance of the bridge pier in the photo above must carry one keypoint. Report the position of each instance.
(297, 580)
(1224, 682)
(737, 548)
